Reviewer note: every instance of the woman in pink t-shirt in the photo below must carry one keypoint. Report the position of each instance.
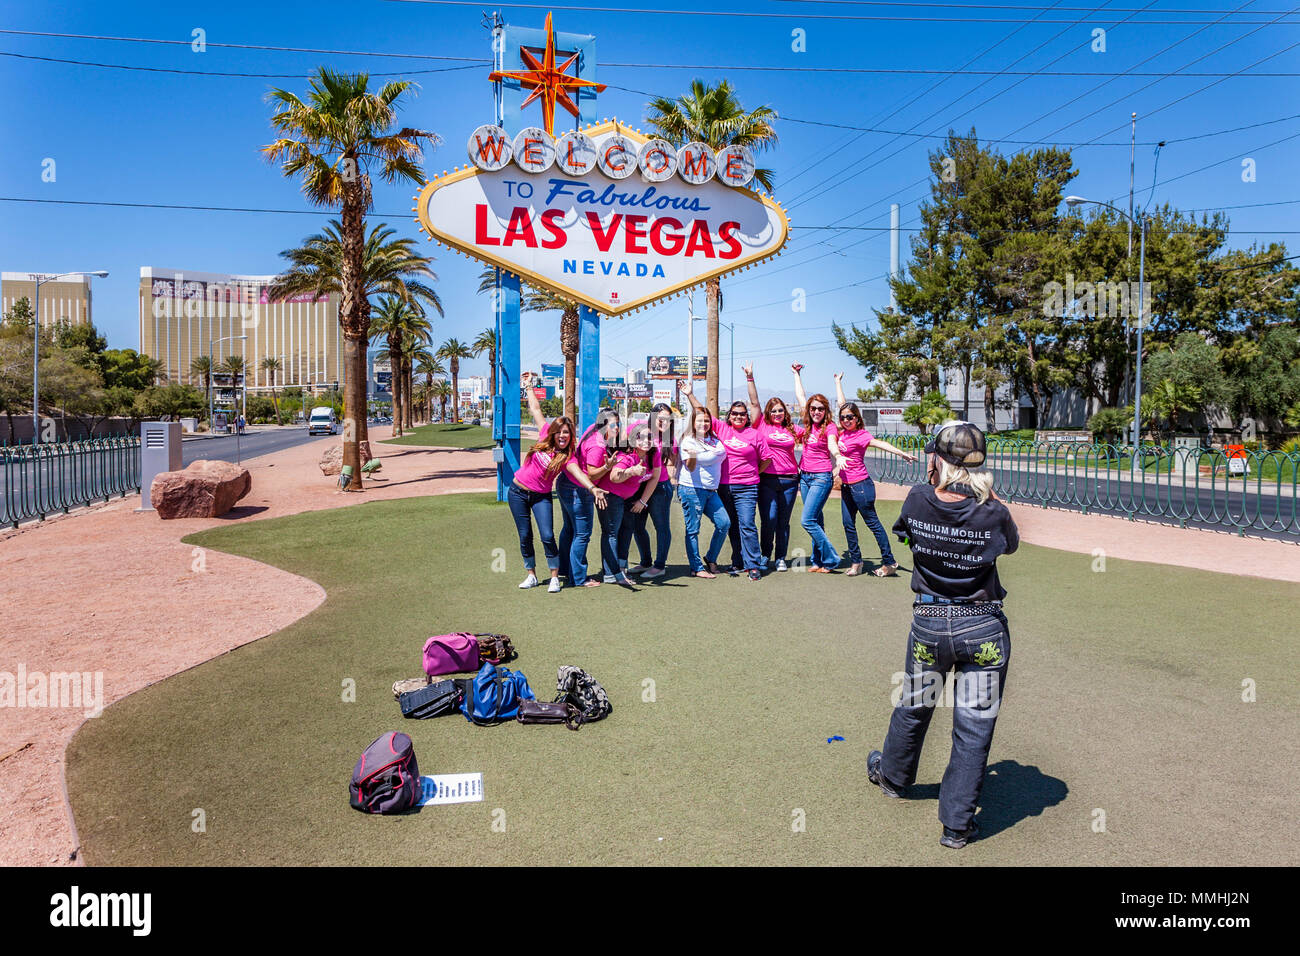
(778, 486)
(529, 496)
(849, 441)
(747, 458)
(629, 471)
(816, 474)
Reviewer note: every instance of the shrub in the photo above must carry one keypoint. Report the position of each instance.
(1108, 424)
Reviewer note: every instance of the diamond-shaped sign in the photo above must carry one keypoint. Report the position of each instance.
(613, 244)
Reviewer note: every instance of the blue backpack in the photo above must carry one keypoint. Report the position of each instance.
(494, 695)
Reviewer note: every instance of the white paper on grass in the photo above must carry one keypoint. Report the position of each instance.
(451, 788)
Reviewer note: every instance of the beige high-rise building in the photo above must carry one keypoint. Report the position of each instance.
(183, 312)
(66, 298)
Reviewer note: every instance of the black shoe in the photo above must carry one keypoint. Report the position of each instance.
(875, 776)
(956, 839)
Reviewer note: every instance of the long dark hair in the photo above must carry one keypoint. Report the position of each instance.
(602, 420)
(857, 415)
(665, 447)
(772, 402)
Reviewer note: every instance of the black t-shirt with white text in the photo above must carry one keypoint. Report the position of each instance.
(955, 546)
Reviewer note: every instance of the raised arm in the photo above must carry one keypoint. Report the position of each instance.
(840, 400)
(799, 395)
(538, 418)
(755, 406)
(687, 388)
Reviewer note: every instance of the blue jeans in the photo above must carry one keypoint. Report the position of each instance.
(697, 502)
(657, 511)
(860, 498)
(741, 502)
(611, 526)
(776, 494)
(577, 504)
(526, 505)
(978, 648)
(815, 487)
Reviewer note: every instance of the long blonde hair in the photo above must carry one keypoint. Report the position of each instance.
(979, 480)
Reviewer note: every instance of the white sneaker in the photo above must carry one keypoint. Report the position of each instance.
(554, 586)
(780, 565)
(529, 582)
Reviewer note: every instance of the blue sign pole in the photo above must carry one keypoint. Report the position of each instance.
(512, 118)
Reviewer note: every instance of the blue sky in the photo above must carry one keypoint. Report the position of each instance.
(136, 136)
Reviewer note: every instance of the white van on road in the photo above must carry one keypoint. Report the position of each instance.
(322, 421)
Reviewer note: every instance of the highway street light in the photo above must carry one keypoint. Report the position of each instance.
(40, 279)
(1073, 201)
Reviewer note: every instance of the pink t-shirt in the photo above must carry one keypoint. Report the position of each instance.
(816, 454)
(532, 473)
(591, 453)
(780, 449)
(626, 459)
(853, 445)
(745, 450)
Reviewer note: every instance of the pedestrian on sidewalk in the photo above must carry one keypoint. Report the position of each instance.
(957, 528)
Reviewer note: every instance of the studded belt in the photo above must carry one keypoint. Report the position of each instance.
(957, 610)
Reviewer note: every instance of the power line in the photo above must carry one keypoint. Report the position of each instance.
(643, 11)
(245, 46)
(260, 76)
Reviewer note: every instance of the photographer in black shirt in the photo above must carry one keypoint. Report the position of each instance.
(957, 528)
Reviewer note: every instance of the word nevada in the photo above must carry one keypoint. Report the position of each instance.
(1098, 300)
(616, 156)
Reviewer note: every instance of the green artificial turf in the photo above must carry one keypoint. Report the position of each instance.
(446, 435)
(1124, 699)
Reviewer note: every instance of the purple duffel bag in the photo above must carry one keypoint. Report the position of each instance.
(450, 654)
(386, 779)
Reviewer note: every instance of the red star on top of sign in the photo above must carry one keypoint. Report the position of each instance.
(550, 83)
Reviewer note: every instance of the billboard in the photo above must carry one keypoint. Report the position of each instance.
(568, 214)
(640, 391)
(552, 375)
(674, 366)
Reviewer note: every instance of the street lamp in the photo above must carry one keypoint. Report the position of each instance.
(40, 279)
(1073, 201)
(212, 343)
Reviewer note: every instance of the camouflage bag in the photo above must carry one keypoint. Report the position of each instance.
(401, 687)
(575, 686)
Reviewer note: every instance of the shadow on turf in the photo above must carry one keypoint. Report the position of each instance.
(1012, 792)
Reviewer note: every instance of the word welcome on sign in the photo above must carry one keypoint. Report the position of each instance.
(612, 246)
(616, 155)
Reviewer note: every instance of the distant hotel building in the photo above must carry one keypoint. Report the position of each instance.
(181, 313)
(67, 298)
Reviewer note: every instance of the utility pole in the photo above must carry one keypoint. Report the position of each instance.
(1132, 163)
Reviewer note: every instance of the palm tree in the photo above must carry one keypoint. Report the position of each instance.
(429, 366)
(402, 324)
(453, 350)
(487, 342)
(234, 367)
(442, 391)
(201, 368)
(538, 300)
(713, 116)
(418, 355)
(389, 266)
(330, 141)
(270, 365)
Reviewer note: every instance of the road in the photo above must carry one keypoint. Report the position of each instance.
(252, 444)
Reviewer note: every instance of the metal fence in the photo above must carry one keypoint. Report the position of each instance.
(1193, 487)
(43, 479)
